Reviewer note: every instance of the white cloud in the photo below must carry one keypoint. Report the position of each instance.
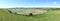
(38, 6)
(54, 2)
(32, 7)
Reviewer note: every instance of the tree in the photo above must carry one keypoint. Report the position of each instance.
(30, 14)
(9, 11)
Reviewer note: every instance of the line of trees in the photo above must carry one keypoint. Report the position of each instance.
(55, 8)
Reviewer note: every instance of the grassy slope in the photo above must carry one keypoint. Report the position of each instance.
(49, 16)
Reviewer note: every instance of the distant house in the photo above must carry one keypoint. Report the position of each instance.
(26, 11)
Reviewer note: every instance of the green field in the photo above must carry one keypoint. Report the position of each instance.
(51, 15)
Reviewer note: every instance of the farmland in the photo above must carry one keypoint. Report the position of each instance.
(51, 15)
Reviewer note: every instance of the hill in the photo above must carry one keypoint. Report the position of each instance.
(52, 15)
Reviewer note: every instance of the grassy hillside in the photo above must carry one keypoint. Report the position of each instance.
(52, 15)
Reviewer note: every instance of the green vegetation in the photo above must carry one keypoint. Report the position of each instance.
(52, 15)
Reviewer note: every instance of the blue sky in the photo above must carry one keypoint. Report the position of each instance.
(29, 3)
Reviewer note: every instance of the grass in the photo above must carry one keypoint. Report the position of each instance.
(52, 15)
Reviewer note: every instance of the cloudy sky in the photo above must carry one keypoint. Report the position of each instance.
(29, 3)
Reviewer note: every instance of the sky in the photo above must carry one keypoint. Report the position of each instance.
(29, 3)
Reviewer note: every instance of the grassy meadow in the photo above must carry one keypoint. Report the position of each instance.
(51, 15)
